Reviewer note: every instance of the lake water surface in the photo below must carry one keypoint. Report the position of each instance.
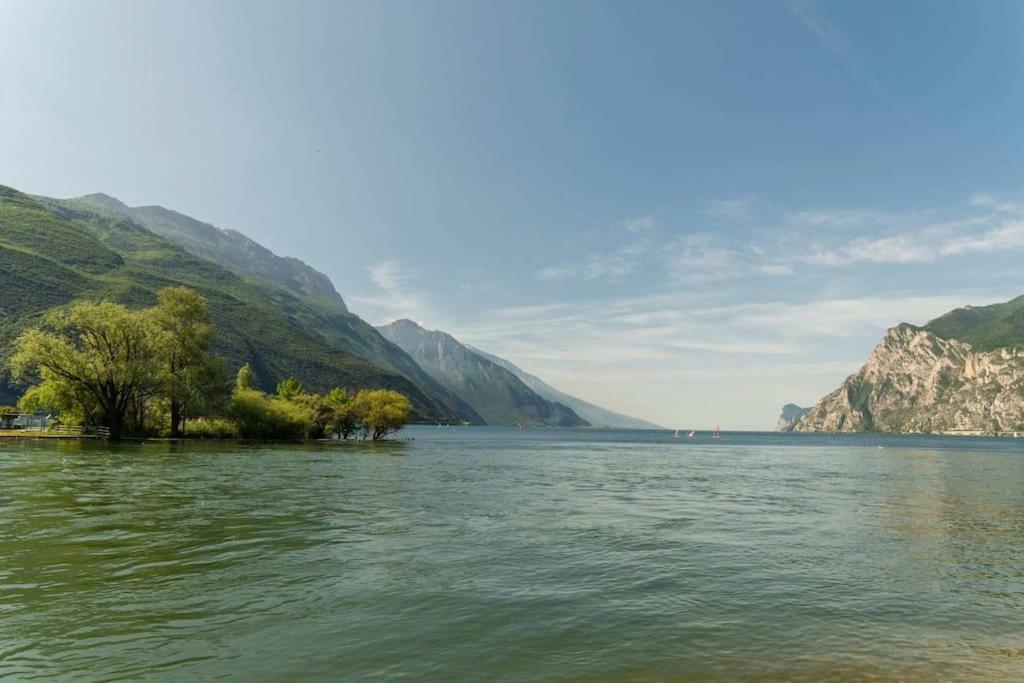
(489, 554)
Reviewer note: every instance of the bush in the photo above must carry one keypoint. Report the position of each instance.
(257, 416)
(210, 428)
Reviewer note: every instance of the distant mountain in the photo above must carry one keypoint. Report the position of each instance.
(595, 415)
(227, 248)
(962, 372)
(791, 413)
(492, 390)
(52, 253)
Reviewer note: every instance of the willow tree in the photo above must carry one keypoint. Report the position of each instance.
(191, 377)
(100, 355)
(380, 412)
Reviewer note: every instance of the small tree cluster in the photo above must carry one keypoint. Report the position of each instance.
(293, 413)
(149, 371)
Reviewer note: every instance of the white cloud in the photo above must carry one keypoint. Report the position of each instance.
(1009, 235)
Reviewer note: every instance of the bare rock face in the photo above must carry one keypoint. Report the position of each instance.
(915, 381)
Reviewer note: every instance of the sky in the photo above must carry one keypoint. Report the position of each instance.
(690, 212)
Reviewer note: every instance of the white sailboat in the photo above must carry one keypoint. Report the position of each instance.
(675, 435)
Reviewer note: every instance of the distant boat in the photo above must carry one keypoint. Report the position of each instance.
(675, 435)
(691, 435)
(718, 433)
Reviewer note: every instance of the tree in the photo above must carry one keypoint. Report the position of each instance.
(191, 376)
(245, 378)
(344, 417)
(99, 355)
(289, 388)
(381, 411)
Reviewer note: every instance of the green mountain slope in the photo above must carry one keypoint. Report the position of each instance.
(314, 313)
(492, 390)
(52, 255)
(595, 415)
(985, 328)
(227, 248)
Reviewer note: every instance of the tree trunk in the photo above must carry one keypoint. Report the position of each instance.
(175, 419)
(115, 423)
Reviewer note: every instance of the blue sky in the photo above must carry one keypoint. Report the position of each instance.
(691, 212)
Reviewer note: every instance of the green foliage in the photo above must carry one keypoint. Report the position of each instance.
(344, 416)
(984, 327)
(245, 378)
(191, 380)
(258, 416)
(289, 388)
(381, 412)
(100, 356)
(211, 428)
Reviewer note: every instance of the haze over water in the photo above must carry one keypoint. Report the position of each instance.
(490, 554)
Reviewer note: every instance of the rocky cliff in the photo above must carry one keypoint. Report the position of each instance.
(916, 381)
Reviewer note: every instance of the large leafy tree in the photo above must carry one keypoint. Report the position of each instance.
(381, 411)
(100, 356)
(191, 376)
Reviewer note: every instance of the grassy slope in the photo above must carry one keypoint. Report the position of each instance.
(984, 327)
(49, 261)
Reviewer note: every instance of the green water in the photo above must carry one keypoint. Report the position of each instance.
(484, 554)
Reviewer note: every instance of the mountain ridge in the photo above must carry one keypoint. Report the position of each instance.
(52, 254)
(491, 390)
(594, 414)
(224, 246)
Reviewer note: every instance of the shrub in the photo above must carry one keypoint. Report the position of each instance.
(210, 428)
(257, 416)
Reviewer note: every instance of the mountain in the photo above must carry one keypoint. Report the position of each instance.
(492, 390)
(52, 253)
(227, 248)
(791, 413)
(921, 380)
(595, 415)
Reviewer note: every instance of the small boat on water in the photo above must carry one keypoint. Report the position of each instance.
(675, 435)
(691, 435)
(717, 434)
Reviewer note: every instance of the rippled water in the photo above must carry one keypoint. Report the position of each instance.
(485, 554)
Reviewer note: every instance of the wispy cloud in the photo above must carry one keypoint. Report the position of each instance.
(702, 257)
(736, 210)
(641, 223)
(605, 266)
(834, 40)
(837, 218)
(394, 298)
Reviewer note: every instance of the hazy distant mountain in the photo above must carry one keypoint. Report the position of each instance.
(595, 415)
(493, 391)
(227, 248)
(791, 413)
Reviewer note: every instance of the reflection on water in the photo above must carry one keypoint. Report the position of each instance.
(540, 555)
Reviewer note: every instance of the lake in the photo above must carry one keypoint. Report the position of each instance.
(507, 555)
